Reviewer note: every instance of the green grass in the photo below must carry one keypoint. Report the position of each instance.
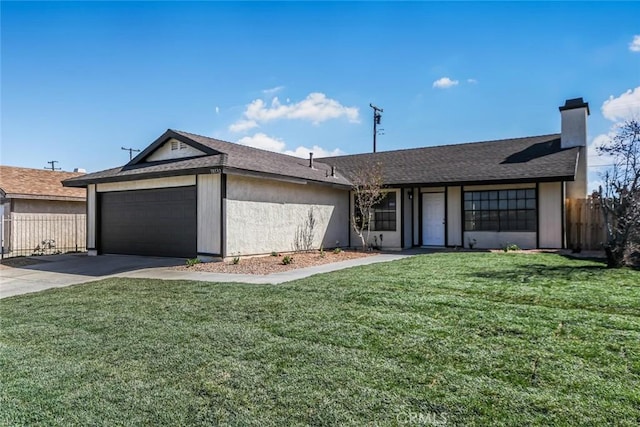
(444, 339)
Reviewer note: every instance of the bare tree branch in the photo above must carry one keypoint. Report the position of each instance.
(620, 196)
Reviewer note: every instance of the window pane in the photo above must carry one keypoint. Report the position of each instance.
(531, 193)
(467, 196)
(531, 203)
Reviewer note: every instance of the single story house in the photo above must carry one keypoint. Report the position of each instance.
(188, 195)
(36, 207)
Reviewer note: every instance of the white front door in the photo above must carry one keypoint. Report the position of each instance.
(433, 219)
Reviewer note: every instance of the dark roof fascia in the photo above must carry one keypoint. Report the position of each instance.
(529, 180)
(169, 134)
(283, 178)
(141, 176)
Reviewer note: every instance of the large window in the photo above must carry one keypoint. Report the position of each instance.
(500, 210)
(383, 217)
(384, 214)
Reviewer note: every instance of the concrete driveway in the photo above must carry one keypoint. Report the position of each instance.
(56, 271)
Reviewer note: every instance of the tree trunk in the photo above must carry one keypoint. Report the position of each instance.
(615, 257)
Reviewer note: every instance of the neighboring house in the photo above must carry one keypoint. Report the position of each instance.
(189, 195)
(35, 207)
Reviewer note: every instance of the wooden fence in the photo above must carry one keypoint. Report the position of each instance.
(585, 224)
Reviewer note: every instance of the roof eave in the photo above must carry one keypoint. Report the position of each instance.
(499, 181)
(140, 176)
(283, 178)
(45, 197)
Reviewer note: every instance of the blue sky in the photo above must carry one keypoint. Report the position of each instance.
(80, 80)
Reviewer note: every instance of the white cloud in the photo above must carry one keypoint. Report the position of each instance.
(272, 91)
(242, 125)
(596, 160)
(472, 81)
(264, 142)
(217, 110)
(624, 107)
(317, 152)
(618, 110)
(634, 46)
(316, 108)
(445, 83)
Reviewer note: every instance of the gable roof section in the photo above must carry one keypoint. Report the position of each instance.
(530, 159)
(230, 158)
(27, 183)
(536, 158)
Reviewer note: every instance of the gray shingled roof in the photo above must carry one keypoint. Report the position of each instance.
(232, 158)
(537, 158)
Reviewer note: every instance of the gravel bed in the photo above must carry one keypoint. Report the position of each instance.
(274, 264)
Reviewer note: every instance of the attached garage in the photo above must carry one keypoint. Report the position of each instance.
(158, 222)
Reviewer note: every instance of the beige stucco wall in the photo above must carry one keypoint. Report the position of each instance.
(147, 184)
(550, 215)
(408, 237)
(165, 152)
(91, 219)
(27, 206)
(454, 216)
(497, 240)
(578, 189)
(262, 215)
(390, 239)
(209, 211)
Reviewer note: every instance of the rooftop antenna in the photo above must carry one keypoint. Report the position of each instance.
(377, 116)
(131, 151)
(53, 165)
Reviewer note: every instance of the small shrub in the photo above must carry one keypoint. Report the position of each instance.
(192, 261)
(274, 253)
(236, 260)
(510, 247)
(337, 251)
(287, 260)
(322, 254)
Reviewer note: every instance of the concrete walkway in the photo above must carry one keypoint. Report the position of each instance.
(64, 270)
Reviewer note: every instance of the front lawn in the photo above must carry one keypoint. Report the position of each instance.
(444, 339)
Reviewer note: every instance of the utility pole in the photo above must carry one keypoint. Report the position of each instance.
(53, 165)
(131, 151)
(377, 116)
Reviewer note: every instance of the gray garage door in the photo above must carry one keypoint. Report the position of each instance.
(158, 222)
